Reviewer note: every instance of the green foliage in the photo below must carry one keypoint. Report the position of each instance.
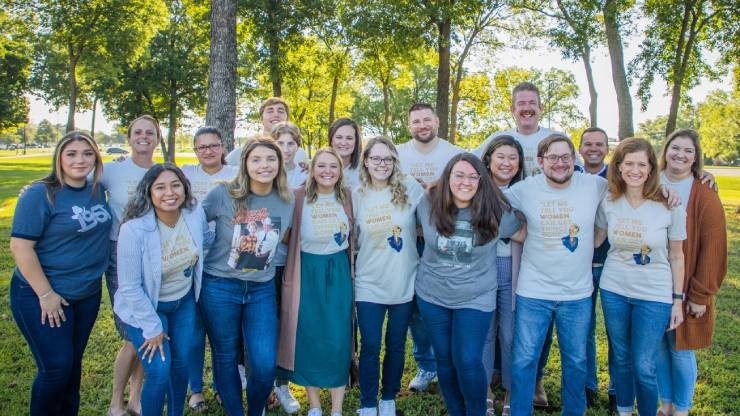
(15, 64)
(48, 133)
(719, 126)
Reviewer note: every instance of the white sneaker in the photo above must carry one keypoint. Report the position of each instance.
(368, 411)
(387, 408)
(242, 376)
(314, 411)
(336, 413)
(287, 400)
(422, 380)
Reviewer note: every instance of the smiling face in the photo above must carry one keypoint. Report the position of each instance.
(167, 193)
(377, 163)
(326, 171)
(343, 141)
(271, 115)
(504, 164)
(464, 181)
(288, 146)
(558, 171)
(423, 125)
(77, 159)
(143, 137)
(263, 166)
(680, 156)
(209, 150)
(593, 148)
(526, 109)
(635, 169)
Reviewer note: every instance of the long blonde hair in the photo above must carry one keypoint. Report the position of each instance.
(55, 179)
(311, 185)
(399, 193)
(239, 188)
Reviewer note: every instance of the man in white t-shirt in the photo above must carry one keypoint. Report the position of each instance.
(555, 282)
(424, 157)
(272, 111)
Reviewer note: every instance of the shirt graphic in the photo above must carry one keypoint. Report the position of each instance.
(341, 236)
(88, 219)
(642, 257)
(395, 240)
(256, 236)
(457, 250)
(570, 241)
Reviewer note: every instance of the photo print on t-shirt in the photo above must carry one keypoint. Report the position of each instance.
(256, 235)
(395, 240)
(642, 257)
(457, 250)
(341, 235)
(570, 241)
(556, 221)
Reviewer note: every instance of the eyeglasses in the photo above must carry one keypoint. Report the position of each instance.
(377, 160)
(566, 158)
(212, 147)
(461, 177)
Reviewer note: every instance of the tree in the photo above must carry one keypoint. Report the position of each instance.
(15, 63)
(653, 130)
(615, 14)
(719, 126)
(46, 133)
(221, 109)
(80, 40)
(674, 44)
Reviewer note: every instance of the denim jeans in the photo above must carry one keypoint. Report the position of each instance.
(167, 377)
(592, 382)
(234, 309)
(57, 351)
(502, 326)
(370, 317)
(532, 320)
(458, 336)
(197, 356)
(636, 328)
(420, 341)
(676, 373)
(545, 354)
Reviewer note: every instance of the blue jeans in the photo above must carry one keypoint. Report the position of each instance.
(458, 336)
(167, 377)
(676, 373)
(420, 341)
(545, 354)
(532, 320)
(235, 309)
(58, 351)
(197, 356)
(636, 328)
(592, 382)
(370, 317)
(502, 326)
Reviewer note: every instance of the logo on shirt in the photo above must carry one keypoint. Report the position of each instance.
(642, 257)
(89, 219)
(570, 241)
(341, 236)
(395, 240)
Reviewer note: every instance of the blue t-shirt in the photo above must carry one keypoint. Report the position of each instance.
(71, 236)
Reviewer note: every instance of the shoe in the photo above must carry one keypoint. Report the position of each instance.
(422, 380)
(490, 408)
(367, 411)
(540, 396)
(314, 411)
(243, 376)
(613, 404)
(198, 407)
(591, 397)
(387, 408)
(287, 400)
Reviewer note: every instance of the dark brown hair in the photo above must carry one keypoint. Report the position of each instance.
(545, 144)
(354, 160)
(505, 140)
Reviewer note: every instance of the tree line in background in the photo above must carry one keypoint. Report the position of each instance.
(182, 60)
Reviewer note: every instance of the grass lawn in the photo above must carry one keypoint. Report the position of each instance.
(719, 366)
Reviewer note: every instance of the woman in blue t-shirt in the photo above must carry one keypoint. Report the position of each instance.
(60, 244)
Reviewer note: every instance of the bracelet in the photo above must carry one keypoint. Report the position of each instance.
(46, 294)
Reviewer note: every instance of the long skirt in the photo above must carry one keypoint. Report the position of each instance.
(324, 333)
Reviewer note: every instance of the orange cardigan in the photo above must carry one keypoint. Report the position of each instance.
(705, 257)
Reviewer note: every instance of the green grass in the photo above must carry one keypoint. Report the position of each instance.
(719, 366)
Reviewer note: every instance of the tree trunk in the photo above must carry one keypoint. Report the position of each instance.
(170, 155)
(592, 105)
(443, 75)
(94, 111)
(333, 102)
(453, 108)
(386, 106)
(221, 109)
(275, 76)
(619, 75)
(72, 81)
(683, 52)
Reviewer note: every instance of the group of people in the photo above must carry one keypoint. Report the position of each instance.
(278, 261)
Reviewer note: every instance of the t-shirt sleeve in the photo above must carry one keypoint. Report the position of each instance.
(601, 185)
(32, 214)
(601, 221)
(414, 191)
(213, 202)
(677, 229)
(509, 224)
(512, 195)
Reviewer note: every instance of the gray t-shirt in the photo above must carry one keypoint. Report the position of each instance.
(246, 242)
(454, 271)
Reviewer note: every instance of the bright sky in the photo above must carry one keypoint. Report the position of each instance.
(540, 58)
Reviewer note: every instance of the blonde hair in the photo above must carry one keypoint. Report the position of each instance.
(55, 179)
(286, 127)
(239, 188)
(148, 118)
(311, 185)
(399, 193)
(617, 187)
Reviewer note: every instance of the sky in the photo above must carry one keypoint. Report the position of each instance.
(540, 58)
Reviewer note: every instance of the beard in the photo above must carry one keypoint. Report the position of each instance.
(560, 181)
(432, 135)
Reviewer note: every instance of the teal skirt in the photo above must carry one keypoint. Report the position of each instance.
(324, 334)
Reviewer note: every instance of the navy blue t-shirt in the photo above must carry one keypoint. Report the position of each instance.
(71, 236)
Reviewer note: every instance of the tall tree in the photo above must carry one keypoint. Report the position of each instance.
(674, 44)
(221, 110)
(80, 39)
(15, 63)
(615, 13)
(719, 125)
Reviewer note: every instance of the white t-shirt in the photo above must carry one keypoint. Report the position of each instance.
(683, 187)
(201, 182)
(556, 262)
(235, 156)
(426, 166)
(351, 177)
(387, 260)
(637, 265)
(324, 226)
(120, 180)
(296, 176)
(529, 144)
(179, 256)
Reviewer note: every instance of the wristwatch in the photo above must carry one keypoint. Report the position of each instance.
(679, 296)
